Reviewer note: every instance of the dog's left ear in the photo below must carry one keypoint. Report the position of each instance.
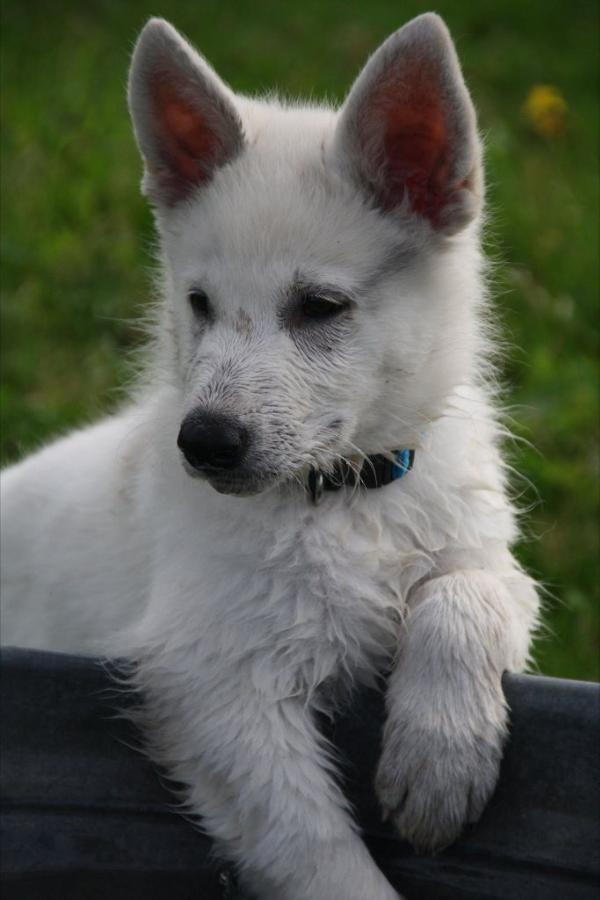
(407, 132)
(184, 116)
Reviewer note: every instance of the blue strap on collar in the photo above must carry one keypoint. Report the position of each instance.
(404, 460)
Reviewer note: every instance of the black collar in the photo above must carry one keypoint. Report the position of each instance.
(375, 472)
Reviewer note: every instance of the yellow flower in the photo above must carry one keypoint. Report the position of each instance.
(546, 110)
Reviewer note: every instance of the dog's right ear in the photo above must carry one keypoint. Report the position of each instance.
(407, 134)
(184, 116)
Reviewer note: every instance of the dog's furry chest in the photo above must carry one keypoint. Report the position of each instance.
(297, 595)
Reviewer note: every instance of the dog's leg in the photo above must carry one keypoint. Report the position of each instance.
(256, 771)
(446, 710)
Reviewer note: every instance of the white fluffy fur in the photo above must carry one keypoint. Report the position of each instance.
(238, 609)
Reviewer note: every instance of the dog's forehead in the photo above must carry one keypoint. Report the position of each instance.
(260, 225)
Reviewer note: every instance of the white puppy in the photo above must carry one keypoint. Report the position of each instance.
(323, 311)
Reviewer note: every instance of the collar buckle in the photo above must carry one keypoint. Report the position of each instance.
(316, 486)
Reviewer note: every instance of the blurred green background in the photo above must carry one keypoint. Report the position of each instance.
(76, 233)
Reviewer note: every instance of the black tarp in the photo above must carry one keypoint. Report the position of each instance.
(86, 817)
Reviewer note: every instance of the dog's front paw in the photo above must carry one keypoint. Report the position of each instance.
(430, 782)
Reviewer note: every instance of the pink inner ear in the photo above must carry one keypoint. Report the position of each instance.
(415, 150)
(189, 145)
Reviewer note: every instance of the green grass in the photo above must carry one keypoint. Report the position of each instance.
(75, 232)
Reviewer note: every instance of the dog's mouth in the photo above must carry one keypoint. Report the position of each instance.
(248, 480)
(244, 486)
(239, 483)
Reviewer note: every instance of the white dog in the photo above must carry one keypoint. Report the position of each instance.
(241, 530)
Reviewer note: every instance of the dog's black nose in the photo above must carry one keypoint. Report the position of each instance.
(213, 440)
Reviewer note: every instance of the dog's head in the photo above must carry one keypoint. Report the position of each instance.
(321, 266)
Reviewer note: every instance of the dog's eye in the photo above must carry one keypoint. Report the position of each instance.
(200, 303)
(315, 307)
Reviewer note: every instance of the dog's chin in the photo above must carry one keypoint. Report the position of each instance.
(240, 487)
(237, 485)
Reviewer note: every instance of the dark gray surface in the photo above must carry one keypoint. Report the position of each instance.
(85, 816)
